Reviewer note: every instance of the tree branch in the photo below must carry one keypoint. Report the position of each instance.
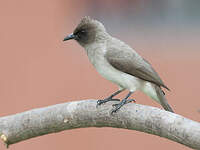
(82, 114)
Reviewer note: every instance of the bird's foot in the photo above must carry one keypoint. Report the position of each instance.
(119, 105)
(127, 101)
(100, 102)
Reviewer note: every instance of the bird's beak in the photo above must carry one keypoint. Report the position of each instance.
(69, 37)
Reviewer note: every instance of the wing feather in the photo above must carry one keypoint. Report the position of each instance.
(126, 60)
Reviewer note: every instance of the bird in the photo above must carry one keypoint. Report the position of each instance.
(119, 63)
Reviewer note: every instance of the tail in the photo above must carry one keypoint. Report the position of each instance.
(162, 99)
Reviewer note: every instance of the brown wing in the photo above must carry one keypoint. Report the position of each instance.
(126, 60)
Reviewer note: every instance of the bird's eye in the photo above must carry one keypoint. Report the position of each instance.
(81, 34)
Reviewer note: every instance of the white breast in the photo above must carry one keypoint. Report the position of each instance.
(123, 80)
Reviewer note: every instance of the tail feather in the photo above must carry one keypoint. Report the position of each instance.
(163, 100)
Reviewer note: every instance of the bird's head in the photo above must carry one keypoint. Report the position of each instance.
(87, 32)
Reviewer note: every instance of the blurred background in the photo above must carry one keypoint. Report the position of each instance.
(38, 69)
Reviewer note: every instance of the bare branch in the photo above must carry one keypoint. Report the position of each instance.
(82, 114)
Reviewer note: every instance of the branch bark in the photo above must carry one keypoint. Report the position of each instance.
(82, 114)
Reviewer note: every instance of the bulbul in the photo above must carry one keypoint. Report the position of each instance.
(118, 63)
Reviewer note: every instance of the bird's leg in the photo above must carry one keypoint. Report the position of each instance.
(127, 101)
(124, 101)
(130, 100)
(110, 98)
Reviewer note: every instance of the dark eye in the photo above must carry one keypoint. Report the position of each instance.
(81, 33)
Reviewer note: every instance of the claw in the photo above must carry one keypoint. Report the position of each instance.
(118, 106)
(122, 103)
(100, 102)
(130, 100)
(110, 98)
(127, 101)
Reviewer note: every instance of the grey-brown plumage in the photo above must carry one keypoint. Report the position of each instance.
(119, 63)
(163, 100)
(128, 62)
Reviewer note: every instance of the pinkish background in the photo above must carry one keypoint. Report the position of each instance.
(38, 69)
